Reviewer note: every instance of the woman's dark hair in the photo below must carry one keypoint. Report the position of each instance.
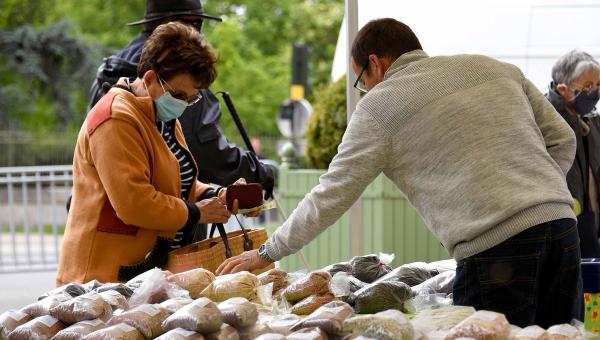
(385, 38)
(175, 48)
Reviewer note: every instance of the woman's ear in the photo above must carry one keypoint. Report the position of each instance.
(149, 77)
(563, 90)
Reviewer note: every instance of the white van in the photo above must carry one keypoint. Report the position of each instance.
(527, 33)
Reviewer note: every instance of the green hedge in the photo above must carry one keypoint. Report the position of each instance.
(327, 124)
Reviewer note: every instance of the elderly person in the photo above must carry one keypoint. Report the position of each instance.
(134, 179)
(574, 93)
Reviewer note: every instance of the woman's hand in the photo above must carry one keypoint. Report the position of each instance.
(234, 208)
(223, 192)
(212, 210)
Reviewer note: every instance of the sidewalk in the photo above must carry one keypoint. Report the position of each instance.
(20, 289)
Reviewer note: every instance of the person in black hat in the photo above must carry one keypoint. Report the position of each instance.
(200, 122)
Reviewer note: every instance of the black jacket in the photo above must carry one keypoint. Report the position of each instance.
(218, 161)
(587, 156)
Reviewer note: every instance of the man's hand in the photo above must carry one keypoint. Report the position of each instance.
(212, 210)
(247, 261)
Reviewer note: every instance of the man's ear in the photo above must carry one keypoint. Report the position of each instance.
(378, 68)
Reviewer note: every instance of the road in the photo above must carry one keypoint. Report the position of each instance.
(20, 289)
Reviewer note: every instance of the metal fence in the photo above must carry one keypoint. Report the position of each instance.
(32, 216)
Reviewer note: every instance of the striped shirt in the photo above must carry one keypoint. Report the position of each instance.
(187, 171)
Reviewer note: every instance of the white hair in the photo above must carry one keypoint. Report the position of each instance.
(572, 65)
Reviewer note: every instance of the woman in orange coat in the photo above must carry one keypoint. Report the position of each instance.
(134, 179)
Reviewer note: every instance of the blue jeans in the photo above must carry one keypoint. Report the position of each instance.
(533, 277)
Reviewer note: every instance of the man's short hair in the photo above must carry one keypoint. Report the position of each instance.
(385, 38)
(571, 66)
(175, 48)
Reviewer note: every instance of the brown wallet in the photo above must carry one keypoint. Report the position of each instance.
(248, 196)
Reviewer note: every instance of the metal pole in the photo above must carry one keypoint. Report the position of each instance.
(240, 126)
(353, 96)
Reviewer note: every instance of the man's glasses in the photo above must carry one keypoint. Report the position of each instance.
(359, 84)
(180, 95)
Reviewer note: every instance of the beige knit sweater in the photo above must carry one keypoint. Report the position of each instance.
(475, 147)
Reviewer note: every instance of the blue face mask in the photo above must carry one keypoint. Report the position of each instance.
(168, 107)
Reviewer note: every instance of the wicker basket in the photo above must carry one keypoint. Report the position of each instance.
(210, 253)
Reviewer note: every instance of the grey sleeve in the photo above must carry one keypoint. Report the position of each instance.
(360, 159)
(558, 135)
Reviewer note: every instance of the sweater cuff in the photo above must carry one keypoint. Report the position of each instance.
(193, 214)
(272, 251)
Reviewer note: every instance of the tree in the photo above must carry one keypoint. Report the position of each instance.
(327, 124)
(44, 69)
(254, 44)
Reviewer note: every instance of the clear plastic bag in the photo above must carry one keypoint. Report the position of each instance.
(146, 318)
(312, 303)
(482, 325)
(194, 281)
(381, 296)
(43, 327)
(119, 331)
(92, 285)
(387, 325)
(271, 336)
(115, 299)
(175, 304)
(308, 334)
(344, 284)
(277, 277)
(226, 332)
(79, 330)
(238, 312)
(531, 333)
(43, 306)
(439, 284)
(118, 287)
(155, 289)
(440, 319)
(369, 268)
(242, 284)
(564, 332)
(251, 333)
(313, 283)
(10, 320)
(341, 267)
(411, 273)
(73, 289)
(180, 334)
(329, 317)
(283, 324)
(200, 316)
(428, 301)
(89, 306)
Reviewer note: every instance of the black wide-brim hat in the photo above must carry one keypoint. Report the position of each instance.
(160, 9)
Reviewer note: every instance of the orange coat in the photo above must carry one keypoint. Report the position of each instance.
(126, 190)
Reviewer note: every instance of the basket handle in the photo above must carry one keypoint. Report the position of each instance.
(221, 229)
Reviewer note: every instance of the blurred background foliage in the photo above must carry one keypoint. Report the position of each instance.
(50, 50)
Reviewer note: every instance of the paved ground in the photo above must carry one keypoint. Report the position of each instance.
(20, 289)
